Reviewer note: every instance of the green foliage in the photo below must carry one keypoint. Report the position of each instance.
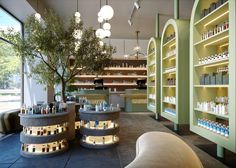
(9, 64)
(49, 45)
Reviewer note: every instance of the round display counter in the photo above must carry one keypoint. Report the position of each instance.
(100, 129)
(44, 135)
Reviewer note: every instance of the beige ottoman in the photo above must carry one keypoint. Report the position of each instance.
(163, 150)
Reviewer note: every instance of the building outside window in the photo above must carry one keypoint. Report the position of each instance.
(10, 66)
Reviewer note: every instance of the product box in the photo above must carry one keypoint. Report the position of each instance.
(212, 6)
(212, 78)
(202, 79)
(226, 79)
(219, 78)
(207, 79)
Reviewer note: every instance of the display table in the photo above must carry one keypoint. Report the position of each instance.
(135, 100)
(99, 128)
(44, 134)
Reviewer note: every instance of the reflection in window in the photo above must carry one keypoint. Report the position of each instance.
(10, 67)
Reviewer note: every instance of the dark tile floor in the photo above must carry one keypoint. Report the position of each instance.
(131, 127)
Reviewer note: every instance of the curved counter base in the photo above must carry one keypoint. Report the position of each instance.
(43, 155)
(28, 139)
(99, 132)
(98, 146)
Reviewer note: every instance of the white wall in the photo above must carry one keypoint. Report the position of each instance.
(129, 45)
(33, 92)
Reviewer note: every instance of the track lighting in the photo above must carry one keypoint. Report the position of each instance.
(130, 22)
(136, 4)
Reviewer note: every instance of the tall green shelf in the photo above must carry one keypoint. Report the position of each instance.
(221, 41)
(153, 75)
(175, 72)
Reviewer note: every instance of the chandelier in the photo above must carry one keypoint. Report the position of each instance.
(104, 15)
(137, 48)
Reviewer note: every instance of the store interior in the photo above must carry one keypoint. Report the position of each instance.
(105, 83)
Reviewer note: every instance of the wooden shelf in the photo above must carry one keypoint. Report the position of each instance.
(211, 86)
(112, 76)
(169, 103)
(151, 54)
(210, 112)
(152, 75)
(169, 43)
(170, 71)
(169, 86)
(171, 57)
(218, 15)
(126, 68)
(216, 39)
(214, 63)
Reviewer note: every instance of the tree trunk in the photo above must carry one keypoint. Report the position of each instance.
(63, 91)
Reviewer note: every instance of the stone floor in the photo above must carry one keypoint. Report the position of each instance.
(132, 125)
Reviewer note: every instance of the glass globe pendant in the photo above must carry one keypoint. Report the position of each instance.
(106, 26)
(107, 12)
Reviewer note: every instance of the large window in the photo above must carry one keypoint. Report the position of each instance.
(10, 66)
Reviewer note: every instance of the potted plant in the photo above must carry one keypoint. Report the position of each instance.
(56, 53)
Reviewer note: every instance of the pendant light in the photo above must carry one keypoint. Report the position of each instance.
(37, 16)
(77, 14)
(100, 32)
(106, 11)
(125, 55)
(77, 34)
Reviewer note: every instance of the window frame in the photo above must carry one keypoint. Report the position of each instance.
(22, 61)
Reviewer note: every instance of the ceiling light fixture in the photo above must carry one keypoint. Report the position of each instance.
(130, 22)
(125, 55)
(135, 8)
(77, 14)
(106, 11)
(137, 48)
(136, 4)
(105, 14)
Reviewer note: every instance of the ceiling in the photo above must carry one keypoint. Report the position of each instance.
(144, 18)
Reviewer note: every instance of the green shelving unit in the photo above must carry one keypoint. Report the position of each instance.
(175, 72)
(153, 75)
(216, 43)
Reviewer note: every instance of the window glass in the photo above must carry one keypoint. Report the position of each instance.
(10, 67)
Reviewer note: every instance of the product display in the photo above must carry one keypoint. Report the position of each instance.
(43, 109)
(102, 140)
(217, 29)
(219, 106)
(44, 148)
(151, 96)
(214, 58)
(169, 99)
(170, 37)
(46, 130)
(41, 136)
(170, 81)
(99, 129)
(175, 72)
(170, 111)
(213, 126)
(171, 53)
(212, 7)
(221, 77)
(99, 124)
(212, 84)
